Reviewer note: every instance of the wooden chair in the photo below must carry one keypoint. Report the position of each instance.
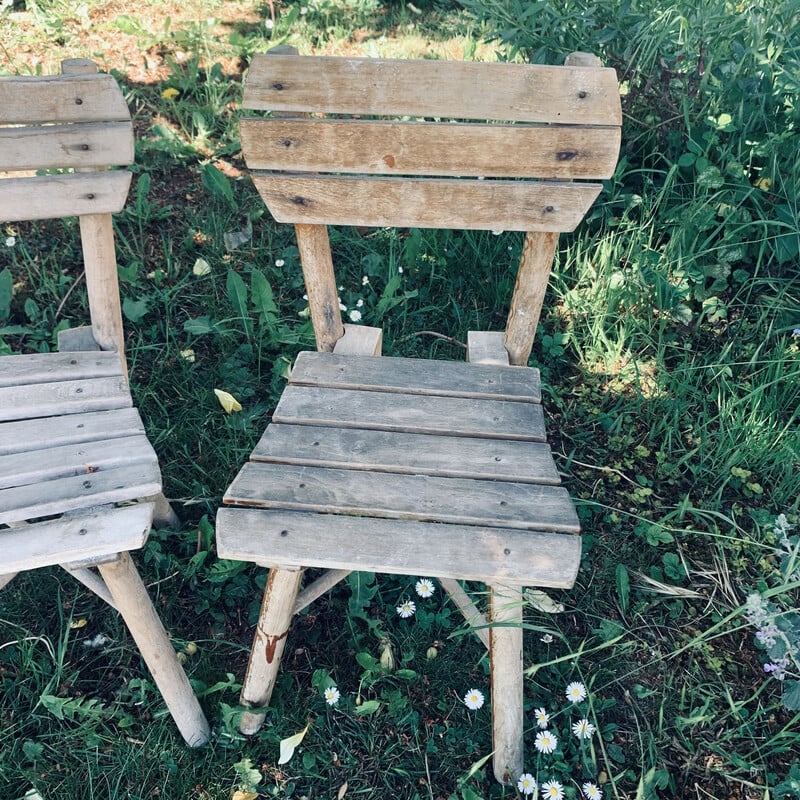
(79, 481)
(416, 467)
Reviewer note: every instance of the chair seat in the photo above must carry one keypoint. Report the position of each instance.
(405, 466)
(70, 441)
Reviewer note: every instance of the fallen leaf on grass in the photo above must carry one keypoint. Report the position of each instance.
(289, 744)
(227, 401)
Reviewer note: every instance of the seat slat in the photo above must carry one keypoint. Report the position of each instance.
(19, 370)
(75, 538)
(84, 458)
(426, 202)
(421, 88)
(421, 497)
(81, 491)
(390, 411)
(61, 98)
(36, 434)
(410, 453)
(68, 195)
(50, 146)
(66, 397)
(295, 539)
(403, 148)
(414, 376)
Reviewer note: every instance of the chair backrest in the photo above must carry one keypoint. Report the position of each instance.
(376, 142)
(58, 137)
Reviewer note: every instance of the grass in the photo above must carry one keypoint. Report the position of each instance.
(670, 366)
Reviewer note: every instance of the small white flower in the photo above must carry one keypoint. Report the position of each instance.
(425, 587)
(542, 717)
(400, 270)
(592, 791)
(11, 241)
(583, 729)
(355, 315)
(576, 692)
(269, 24)
(360, 302)
(547, 638)
(473, 699)
(188, 355)
(553, 790)
(97, 641)
(526, 783)
(342, 306)
(407, 609)
(497, 232)
(332, 695)
(279, 262)
(546, 742)
(364, 280)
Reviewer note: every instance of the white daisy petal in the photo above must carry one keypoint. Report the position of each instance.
(473, 699)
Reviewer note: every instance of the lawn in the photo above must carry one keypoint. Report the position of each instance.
(670, 353)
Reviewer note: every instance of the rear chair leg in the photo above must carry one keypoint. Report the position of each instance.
(135, 607)
(505, 657)
(270, 639)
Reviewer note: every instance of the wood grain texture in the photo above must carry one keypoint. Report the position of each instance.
(65, 146)
(460, 501)
(422, 88)
(487, 347)
(30, 368)
(360, 340)
(92, 534)
(452, 416)
(417, 148)
(465, 552)
(426, 203)
(68, 195)
(57, 98)
(410, 453)
(416, 376)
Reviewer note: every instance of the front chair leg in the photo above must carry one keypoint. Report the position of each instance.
(135, 607)
(270, 639)
(505, 658)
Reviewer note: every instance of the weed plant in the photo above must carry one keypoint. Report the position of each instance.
(669, 348)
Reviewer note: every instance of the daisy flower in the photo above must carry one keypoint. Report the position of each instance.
(10, 241)
(332, 695)
(547, 638)
(592, 791)
(546, 742)
(407, 609)
(355, 315)
(542, 717)
(553, 790)
(425, 587)
(473, 699)
(576, 692)
(583, 729)
(526, 783)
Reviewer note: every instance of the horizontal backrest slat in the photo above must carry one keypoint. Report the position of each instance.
(52, 196)
(426, 203)
(64, 146)
(402, 148)
(61, 98)
(446, 89)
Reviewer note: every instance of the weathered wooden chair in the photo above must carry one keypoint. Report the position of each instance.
(416, 467)
(79, 481)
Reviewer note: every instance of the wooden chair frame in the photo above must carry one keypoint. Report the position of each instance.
(79, 482)
(560, 126)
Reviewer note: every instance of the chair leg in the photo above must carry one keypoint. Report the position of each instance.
(270, 639)
(164, 515)
(505, 656)
(136, 608)
(6, 579)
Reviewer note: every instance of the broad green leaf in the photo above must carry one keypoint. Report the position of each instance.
(261, 293)
(217, 183)
(6, 293)
(135, 310)
(289, 745)
(370, 707)
(623, 587)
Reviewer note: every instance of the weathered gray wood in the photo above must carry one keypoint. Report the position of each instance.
(487, 347)
(82, 491)
(49, 432)
(426, 202)
(291, 538)
(414, 376)
(67, 195)
(421, 88)
(72, 340)
(403, 148)
(136, 608)
(410, 453)
(20, 469)
(397, 496)
(323, 584)
(469, 610)
(65, 397)
(75, 537)
(390, 411)
(93, 582)
(360, 340)
(7, 578)
(19, 370)
(64, 146)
